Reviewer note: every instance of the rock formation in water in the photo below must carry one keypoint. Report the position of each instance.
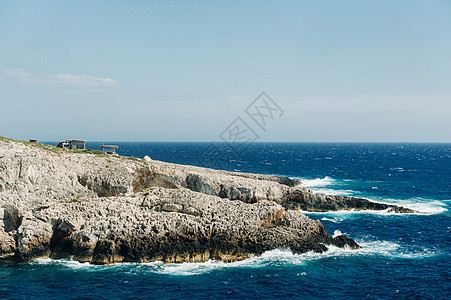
(103, 209)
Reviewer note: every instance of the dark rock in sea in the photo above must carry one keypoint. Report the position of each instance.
(343, 241)
(305, 199)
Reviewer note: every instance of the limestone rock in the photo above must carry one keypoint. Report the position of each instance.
(33, 238)
(7, 243)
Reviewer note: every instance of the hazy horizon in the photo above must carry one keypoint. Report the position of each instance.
(222, 142)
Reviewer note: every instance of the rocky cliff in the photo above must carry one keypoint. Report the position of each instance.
(103, 209)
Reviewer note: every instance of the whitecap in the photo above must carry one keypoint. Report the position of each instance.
(330, 220)
(427, 206)
(392, 249)
(68, 263)
(337, 192)
(322, 185)
(423, 206)
(43, 261)
(184, 268)
(337, 233)
(318, 182)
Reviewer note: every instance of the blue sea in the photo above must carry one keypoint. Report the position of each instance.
(403, 256)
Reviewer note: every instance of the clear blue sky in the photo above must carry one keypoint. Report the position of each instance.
(184, 70)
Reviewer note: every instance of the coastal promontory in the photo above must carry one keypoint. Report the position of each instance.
(103, 209)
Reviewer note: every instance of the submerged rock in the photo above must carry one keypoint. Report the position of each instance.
(102, 209)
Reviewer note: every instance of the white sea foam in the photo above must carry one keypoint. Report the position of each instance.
(321, 185)
(392, 249)
(335, 219)
(338, 192)
(424, 206)
(183, 268)
(67, 262)
(318, 182)
(337, 233)
(330, 220)
(427, 206)
(43, 261)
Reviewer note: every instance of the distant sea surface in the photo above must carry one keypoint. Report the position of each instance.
(403, 256)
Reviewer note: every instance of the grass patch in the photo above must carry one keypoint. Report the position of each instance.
(36, 145)
(132, 158)
(45, 147)
(4, 139)
(89, 151)
(76, 199)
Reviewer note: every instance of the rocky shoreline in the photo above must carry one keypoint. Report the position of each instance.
(103, 209)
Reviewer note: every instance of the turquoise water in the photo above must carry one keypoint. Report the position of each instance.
(403, 256)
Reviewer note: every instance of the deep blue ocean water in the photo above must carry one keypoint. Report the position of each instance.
(403, 256)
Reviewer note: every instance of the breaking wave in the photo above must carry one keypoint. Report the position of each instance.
(318, 182)
(328, 185)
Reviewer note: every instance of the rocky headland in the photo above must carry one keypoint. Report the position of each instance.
(103, 209)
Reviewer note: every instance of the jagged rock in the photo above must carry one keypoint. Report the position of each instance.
(7, 243)
(33, 238)
(9, 218)
(343, 241)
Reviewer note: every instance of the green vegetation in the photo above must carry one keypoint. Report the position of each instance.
(45, 147)
(76, 199)
(4, 139)
(36, 145)
(89, 151)
(132, 158)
